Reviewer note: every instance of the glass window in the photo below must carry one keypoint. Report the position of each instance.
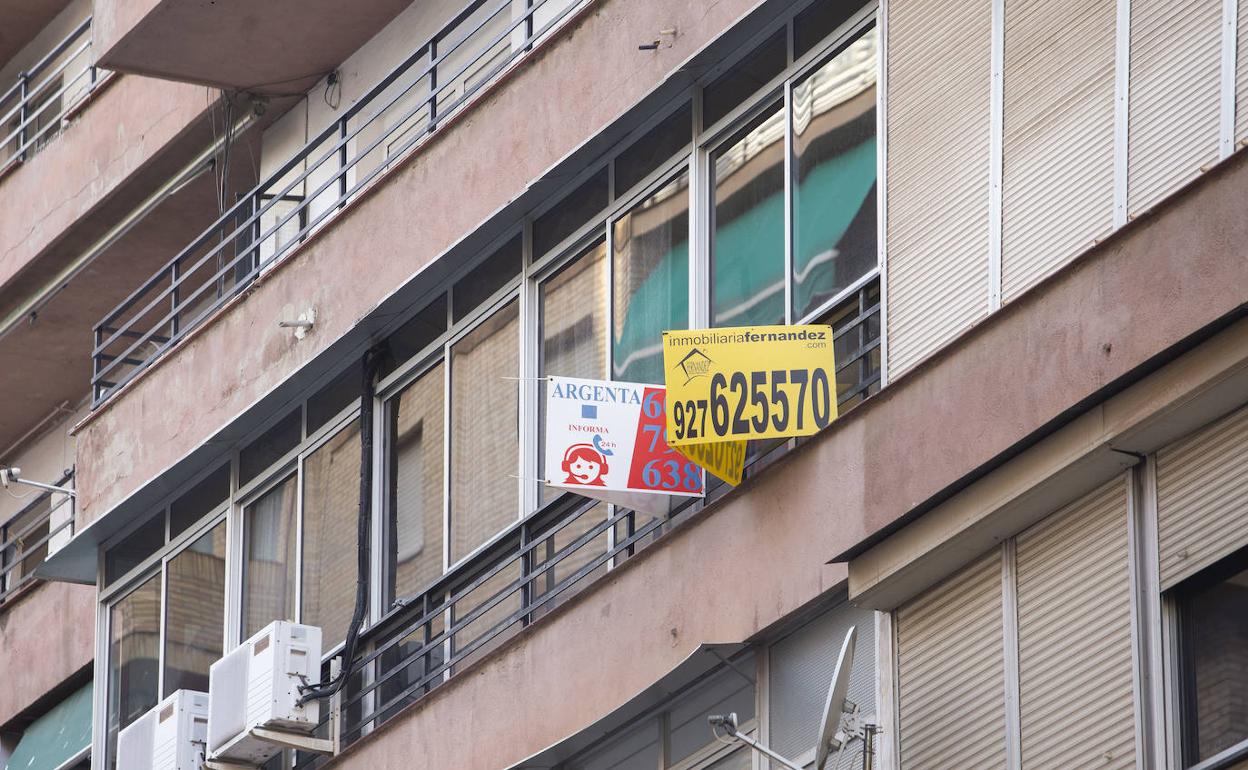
(195, 612)
(747, 246)
(331, 504)
(327, 403)
(650, 264)
(576, 209)
(834, 168)
(134, 658)
(485, 448)
(813, 25)
(573, 318)
(134, 549)
(653, 149)
(735, 86)
(415, 335)
(414, 540)
(275, 444)
(487, 278)
(269, 545)
(1213, 631)
(202, 498)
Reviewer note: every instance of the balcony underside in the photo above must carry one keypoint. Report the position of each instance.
(271, 47)
(22, 21)
(46, 357)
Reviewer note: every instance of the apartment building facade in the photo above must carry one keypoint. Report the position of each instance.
(266, 270)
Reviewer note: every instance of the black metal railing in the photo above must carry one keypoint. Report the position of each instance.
(541, 562)
(32, 109)
(482, 40)
(25, 537)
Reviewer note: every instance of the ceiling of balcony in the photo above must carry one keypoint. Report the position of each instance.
(46, 361)
(21, 20)
(270, 47)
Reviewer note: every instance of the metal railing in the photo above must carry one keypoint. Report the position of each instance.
(406, 106)
(32, 109)
(543, 561)
(25, 537)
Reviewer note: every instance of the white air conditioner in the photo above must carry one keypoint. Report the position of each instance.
(254, 690)
(169, 737)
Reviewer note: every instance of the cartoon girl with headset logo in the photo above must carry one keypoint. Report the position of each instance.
(586, 464)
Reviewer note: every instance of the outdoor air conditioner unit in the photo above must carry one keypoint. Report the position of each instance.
(169, 737)
(253, 693)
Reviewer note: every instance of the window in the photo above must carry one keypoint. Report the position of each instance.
(269, 573)
(1213, 644)
(331, 499)
(747, 240)
(650, 271)
(573, 335)
(134, 658)
(834, 169)
(416, 441)
(195, 612)
(485, 445)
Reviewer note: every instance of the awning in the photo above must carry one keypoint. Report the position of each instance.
(702, 660)
(58, 736)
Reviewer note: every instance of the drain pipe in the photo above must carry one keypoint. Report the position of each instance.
(201, 163)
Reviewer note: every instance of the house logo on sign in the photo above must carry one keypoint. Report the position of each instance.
(695, 364)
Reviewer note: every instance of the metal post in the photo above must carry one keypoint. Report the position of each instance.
(342, 163)
(23, 114)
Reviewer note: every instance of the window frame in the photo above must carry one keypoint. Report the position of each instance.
(1175, 599)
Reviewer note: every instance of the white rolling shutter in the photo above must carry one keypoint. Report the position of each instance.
(950, 667)
(1202, 497)
(1241, 75)
(1076, 702)
(1058, 153)
(1174, 110)
(939, 73)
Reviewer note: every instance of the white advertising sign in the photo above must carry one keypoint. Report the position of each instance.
(607, 441)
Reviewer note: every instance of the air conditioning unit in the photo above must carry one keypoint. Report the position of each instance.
(253, 693)
(169, 737)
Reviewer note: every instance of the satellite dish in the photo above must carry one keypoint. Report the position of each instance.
(834, 708)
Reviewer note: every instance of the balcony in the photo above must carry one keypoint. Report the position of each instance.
(27, 536)
(334, 168)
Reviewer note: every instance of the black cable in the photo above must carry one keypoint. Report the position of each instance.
(372, 362)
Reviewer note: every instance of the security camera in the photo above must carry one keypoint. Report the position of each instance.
(9, 474)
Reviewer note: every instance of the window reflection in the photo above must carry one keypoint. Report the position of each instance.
(747, 246)
(269, 580)
(834, 220)
(1213, 624)
(195, 612)
(650, 267)
(573, 307)
(415, 537)
(331, 502)
(134, 658)
(485, 412)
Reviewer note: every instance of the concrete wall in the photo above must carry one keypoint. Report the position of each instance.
(46, 635)
(47, 630)
(456, 181)
(123, 129)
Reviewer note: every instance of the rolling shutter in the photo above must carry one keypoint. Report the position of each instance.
(1058, 154)
(1241, 76)
(950, 667)
(1202, 497)
(939, 73)
(1074, 636)
(1173, 114)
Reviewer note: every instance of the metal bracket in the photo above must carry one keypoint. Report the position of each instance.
(293, 740)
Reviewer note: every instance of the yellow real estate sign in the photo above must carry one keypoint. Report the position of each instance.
(750, 382)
